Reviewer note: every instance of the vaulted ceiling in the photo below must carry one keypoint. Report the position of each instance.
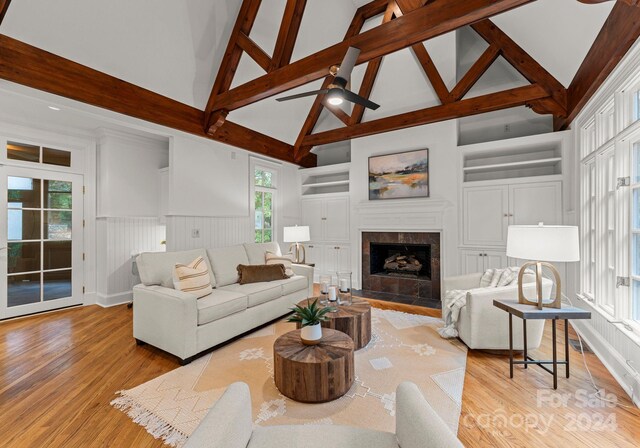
(213, 68)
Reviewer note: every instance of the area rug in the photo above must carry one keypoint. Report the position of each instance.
(404, 347)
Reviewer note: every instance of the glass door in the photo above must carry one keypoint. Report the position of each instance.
(41, 240)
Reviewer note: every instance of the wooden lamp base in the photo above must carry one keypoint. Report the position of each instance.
(557, 303)
(298, 252)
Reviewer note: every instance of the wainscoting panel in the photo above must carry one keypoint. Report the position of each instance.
(118, 240)
(213, 232)
(617, 350)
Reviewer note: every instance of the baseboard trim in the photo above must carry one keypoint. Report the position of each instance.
(611, 358)
(107, 301)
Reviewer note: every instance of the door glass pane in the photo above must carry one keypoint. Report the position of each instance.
(57, 254)
(23, 224)
(267, 236)
(635, 307)
(258, 238)
(635, 168)
(57, 225)
(636, 254)
(57, 194)
(267, 206)
(57, 285)
(23, 257)
(23, 152)
(56, 157)
(23, 192)
(23, 289)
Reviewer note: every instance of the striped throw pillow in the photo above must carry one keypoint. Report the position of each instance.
(193, 278)
(285, 259)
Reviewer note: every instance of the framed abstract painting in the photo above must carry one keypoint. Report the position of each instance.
(400, 175)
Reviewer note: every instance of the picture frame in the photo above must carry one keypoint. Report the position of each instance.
(400, 175)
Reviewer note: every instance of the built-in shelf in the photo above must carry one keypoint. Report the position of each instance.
(536, 157)
(325, 179)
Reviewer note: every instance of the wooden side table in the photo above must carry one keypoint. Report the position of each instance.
(314, 373)
(354, 320)
(525, 312)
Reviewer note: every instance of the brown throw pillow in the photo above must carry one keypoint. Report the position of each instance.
(255, 273)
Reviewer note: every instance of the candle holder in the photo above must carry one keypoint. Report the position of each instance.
(344, 288)
(325, 283)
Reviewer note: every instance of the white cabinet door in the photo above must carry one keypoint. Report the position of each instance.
(485, 215)
(312, 216)
(337, 219)
(313, 254)
(343, 258)
(532, 203)
(494, 260)
(330, 259)
(471, 261)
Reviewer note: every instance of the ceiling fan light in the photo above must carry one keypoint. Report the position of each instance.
(335, 100)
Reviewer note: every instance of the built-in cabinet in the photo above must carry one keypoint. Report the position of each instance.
(325, 209)
(489, 210)
(511, 182)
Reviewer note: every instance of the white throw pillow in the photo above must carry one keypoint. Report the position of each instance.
(193, 278)
(507, 277)
(284, 259)
(486, 278)
(497, 273)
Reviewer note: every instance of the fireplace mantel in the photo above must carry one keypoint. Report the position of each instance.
(401, 214)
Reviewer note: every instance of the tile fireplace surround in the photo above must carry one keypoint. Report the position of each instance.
(422, 288)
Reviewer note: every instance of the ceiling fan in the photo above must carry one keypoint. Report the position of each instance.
(337, 91)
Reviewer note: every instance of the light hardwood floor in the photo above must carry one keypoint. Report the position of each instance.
(59, 371)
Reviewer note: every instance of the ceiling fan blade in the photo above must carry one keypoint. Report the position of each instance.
(302, 95)
(357, 99)
(348, 62)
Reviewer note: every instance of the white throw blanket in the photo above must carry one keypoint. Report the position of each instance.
(452, 303)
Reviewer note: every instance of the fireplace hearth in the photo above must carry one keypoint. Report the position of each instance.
(402, 266)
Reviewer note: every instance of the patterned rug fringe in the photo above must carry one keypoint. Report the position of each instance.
(153, 424)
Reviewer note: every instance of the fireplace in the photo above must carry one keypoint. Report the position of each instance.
(402, 266)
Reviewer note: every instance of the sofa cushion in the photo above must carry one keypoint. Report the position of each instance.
(257, 292)
(320, 436)
(225, 261)
(220, 304)
(293, 284)
(156, 268)
(256, 251)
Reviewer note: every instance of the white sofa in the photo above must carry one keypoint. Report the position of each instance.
(184, 326)
(229, 424)
(483, 326)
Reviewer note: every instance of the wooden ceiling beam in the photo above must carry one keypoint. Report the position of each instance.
(310, 122)
(24, 64)
(288, 33)
(371, 73)
(424, 23)
(521, 60)
(618, 34)
(4, 7)
(475, 72)
(486, 103)
(231, 58)
(430, 69)
(338, 112)
(254, 51)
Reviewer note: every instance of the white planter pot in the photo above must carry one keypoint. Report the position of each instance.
(311, 334)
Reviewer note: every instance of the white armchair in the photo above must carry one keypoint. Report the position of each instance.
(483, 326)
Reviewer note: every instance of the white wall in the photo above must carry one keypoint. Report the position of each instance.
(440, 138)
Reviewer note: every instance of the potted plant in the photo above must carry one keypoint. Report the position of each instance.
(310, 318)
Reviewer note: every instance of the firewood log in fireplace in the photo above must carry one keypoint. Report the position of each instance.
(402, 263)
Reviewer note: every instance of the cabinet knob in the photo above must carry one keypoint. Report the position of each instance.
(506, 215)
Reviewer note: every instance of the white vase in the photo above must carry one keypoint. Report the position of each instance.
(311, 334)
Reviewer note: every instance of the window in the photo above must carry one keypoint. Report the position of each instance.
(606, 235)
(264, 183)
(35, 154)
(635, 233)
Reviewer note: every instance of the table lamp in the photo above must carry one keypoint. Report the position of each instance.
(297, 235)
(544, 244)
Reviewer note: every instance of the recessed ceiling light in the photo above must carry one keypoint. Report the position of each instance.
(54, 108)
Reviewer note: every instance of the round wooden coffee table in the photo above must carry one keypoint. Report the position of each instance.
(313, 373)
(354, 320)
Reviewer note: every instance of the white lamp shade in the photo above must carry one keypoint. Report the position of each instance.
(296, 234)
(544, 243)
